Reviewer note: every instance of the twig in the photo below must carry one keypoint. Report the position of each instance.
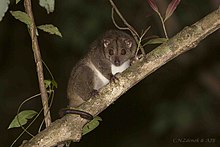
(163, 25)
(114, 22)
(130, 28)
(141, 39)
(38, 61)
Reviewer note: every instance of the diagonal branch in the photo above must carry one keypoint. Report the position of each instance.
(63, 129)
(38, 61)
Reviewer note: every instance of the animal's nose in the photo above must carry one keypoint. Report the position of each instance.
(117, 62)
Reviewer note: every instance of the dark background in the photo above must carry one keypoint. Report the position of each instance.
(181, 100)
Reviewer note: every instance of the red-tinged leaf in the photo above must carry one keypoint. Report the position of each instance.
(153, 5)
(171, 8)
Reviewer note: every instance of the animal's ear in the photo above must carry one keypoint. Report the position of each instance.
(131, 44)
(106, 42)
(128, 43)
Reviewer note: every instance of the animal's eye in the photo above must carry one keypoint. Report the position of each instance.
(110, 51)
(123, 52)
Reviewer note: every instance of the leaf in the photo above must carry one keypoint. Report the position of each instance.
(91, 125)
(47, 83)
(17, 1)
(22, 16)
(156, 41)
(171, 8)
(49, 28)
(3, 8)
(54, 83)
(48, 5)
(23, 118)
(153, 5)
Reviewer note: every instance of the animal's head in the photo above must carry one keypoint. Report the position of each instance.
(118, 47)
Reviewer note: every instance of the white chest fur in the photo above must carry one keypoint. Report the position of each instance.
(99, 79)
(118, 69)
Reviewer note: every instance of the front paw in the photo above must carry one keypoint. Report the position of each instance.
(136, 59)
(94, 93)
(114, 78)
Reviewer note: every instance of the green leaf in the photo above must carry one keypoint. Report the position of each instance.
(22, 16)
(23, 118)
(49, 28)
(3, 8)
(17, 1)
(50, 83)
(54, 83)
(156, 41)
(47, 83)
(48, 5)
(91, 125)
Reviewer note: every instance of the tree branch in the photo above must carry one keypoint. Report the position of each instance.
(69, 127)
(38, 61)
